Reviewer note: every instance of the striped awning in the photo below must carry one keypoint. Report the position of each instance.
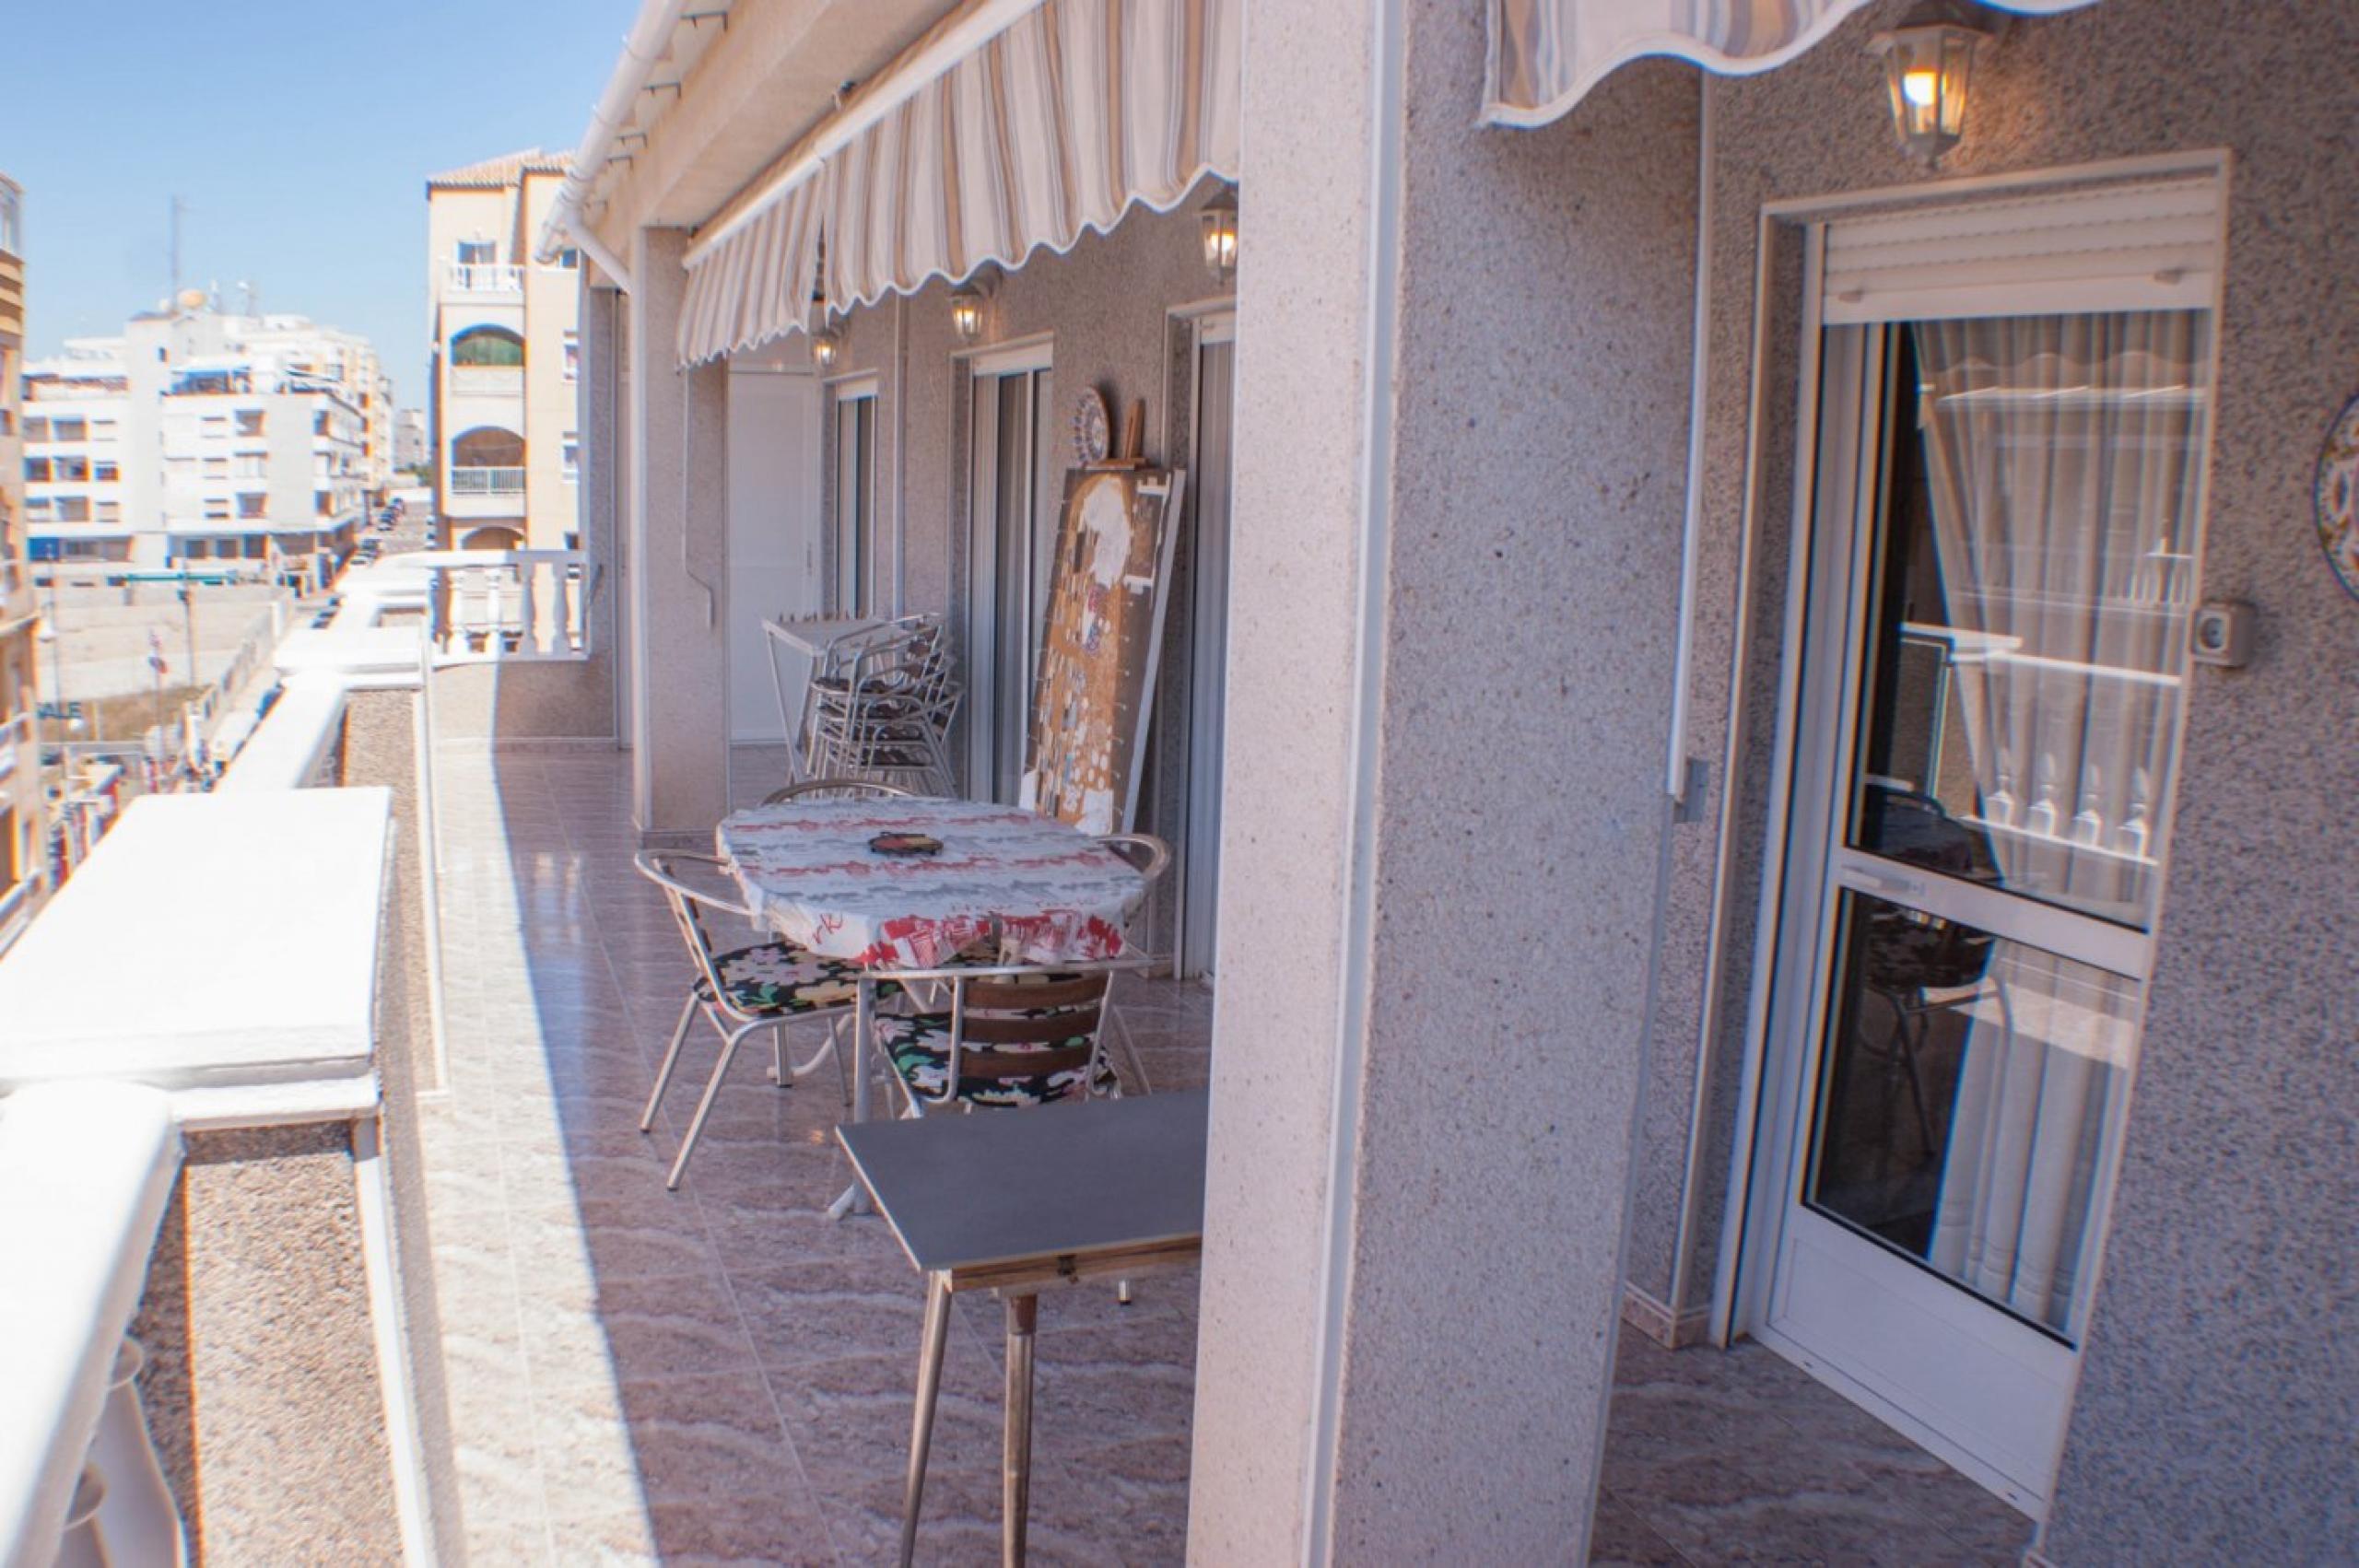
(1056, 125)
(1546, 54)
(756, 284)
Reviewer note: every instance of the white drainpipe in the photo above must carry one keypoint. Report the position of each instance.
(642, 46)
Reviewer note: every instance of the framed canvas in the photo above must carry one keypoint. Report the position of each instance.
(1100, 645)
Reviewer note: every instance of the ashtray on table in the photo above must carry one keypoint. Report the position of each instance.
(902, 844)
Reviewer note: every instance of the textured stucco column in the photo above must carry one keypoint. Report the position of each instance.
(1299, 514)
(600, 418)
(1462, 398)
(680, 517)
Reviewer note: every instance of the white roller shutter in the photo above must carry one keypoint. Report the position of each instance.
(2134, 245)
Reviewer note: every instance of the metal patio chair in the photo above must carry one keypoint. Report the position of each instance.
(883, 709)
(1151, 856)
(998, 1035)
(761, 986)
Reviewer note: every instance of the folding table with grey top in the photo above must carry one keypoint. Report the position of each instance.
(1019, 1202)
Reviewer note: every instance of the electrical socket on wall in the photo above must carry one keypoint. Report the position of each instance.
(2220, 634)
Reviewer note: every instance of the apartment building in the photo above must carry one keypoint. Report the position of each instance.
(503, 418)
(409, 438)
(246, 444)
(23, 865)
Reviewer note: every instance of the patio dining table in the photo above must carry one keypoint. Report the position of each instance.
(1038, 890)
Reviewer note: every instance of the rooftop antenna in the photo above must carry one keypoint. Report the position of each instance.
(179, 206)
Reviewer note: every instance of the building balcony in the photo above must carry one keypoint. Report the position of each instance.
(486, 381)
(482, 278)
(487, 481)
(616, 1369)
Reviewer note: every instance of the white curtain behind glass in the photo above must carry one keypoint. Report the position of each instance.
(2063, 454)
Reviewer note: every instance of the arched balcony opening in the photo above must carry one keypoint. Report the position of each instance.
(488, 461)
(490, 348)
(487, 359)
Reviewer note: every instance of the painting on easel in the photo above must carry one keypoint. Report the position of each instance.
(1100, 645)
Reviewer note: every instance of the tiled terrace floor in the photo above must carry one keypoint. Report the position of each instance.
(722, 1376)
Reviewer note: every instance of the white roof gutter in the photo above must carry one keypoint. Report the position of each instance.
(642, 46)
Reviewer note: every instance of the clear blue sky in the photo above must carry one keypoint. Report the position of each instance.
(300, 135)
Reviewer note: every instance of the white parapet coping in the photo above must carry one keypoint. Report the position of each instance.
(341, 649)
(86, 1172)
(221, 946)
(286, 748)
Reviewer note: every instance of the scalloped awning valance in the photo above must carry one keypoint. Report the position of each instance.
(1053, 126)
(756, 284)
(1546, 54)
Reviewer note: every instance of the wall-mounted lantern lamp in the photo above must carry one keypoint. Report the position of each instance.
(1928, 66)
(1219, 220)
(827, 346)
(966, 313)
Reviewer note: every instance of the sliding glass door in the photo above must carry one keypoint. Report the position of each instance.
(854, 543)
(1208, 497)
(1013, 495)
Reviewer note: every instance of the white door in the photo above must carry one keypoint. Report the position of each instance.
(2005, 522)
(1015, 492)
(773, 533)
(1208, 491)
(860, 568)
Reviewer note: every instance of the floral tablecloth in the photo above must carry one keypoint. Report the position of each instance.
(1049, 892)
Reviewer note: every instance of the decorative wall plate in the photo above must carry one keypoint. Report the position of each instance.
(2338, 497)
(1093, 431)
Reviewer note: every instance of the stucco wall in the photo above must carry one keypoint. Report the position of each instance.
(2212, 1421)
(381, 731)
(261, 1387)
(1537, 491)
(1456, 590)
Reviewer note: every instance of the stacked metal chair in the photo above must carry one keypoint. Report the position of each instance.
(881, 710)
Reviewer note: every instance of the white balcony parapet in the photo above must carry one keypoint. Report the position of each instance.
(486, 277)
(511, 604)
(487, 481)
(86, 1170)
(288, 749)
(482, 381)
(254, 919)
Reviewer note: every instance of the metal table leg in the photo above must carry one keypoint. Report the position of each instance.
(937, 1334)
(1016, 1463)
(853, 1199)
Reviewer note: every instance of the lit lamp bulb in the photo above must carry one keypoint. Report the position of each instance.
(827, 347)
(1219, 219)
(1929, 66)
(967, 314)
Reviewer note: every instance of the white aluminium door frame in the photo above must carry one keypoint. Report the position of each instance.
(1772, 1117)
(986, 369)
(1739, 1290)
(1207, 701)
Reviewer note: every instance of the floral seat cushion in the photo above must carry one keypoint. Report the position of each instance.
(775, 977)
(919, 1047)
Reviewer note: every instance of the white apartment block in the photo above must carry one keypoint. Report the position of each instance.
(24, 873)
(244, 445)
(409, 438)
(504, 407)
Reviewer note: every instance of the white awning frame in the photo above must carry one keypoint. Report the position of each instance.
(1545, 55)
